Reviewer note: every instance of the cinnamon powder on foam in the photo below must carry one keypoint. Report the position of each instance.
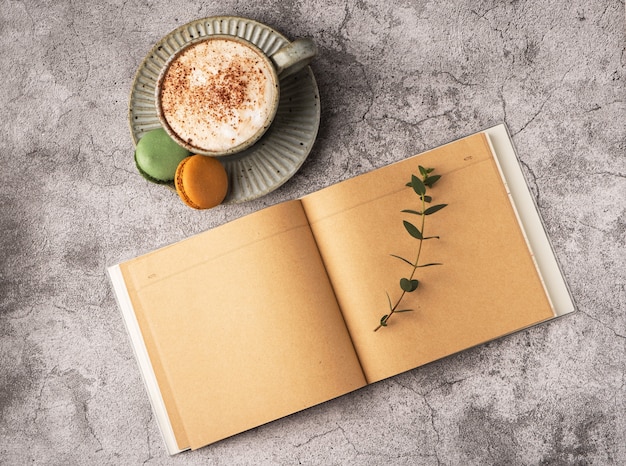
(217, 94)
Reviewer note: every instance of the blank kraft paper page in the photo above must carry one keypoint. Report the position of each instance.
(486, 287)
(241, 325)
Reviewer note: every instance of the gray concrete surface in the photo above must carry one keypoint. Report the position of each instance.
(395, 77)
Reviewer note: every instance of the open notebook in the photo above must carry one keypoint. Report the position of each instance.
(274, 312)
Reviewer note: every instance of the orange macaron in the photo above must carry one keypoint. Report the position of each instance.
(201, 181)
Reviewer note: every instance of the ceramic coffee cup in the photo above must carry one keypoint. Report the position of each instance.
(219, 94)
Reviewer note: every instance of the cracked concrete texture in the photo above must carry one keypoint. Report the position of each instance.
(395, 78)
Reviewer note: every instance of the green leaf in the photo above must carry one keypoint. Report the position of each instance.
(389, 301)
(383, 320)
(431, 180)
(408, 285)
(430, 170)
(413, 230)
(418, 185)
(405, 310)
(426, 198)
(423, 171)
(431, 237)
(408, 211)
(403, 259)
(431, 264)
(435, 208)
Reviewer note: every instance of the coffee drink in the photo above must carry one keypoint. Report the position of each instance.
(218, 95)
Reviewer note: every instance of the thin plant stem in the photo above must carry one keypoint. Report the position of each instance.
(408, 285)
(415, 265)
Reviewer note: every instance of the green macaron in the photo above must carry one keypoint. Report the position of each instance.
(157, 156)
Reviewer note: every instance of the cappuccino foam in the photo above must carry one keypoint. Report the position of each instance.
(218, 94)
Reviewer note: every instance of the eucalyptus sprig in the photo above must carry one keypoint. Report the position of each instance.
(410, 284)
